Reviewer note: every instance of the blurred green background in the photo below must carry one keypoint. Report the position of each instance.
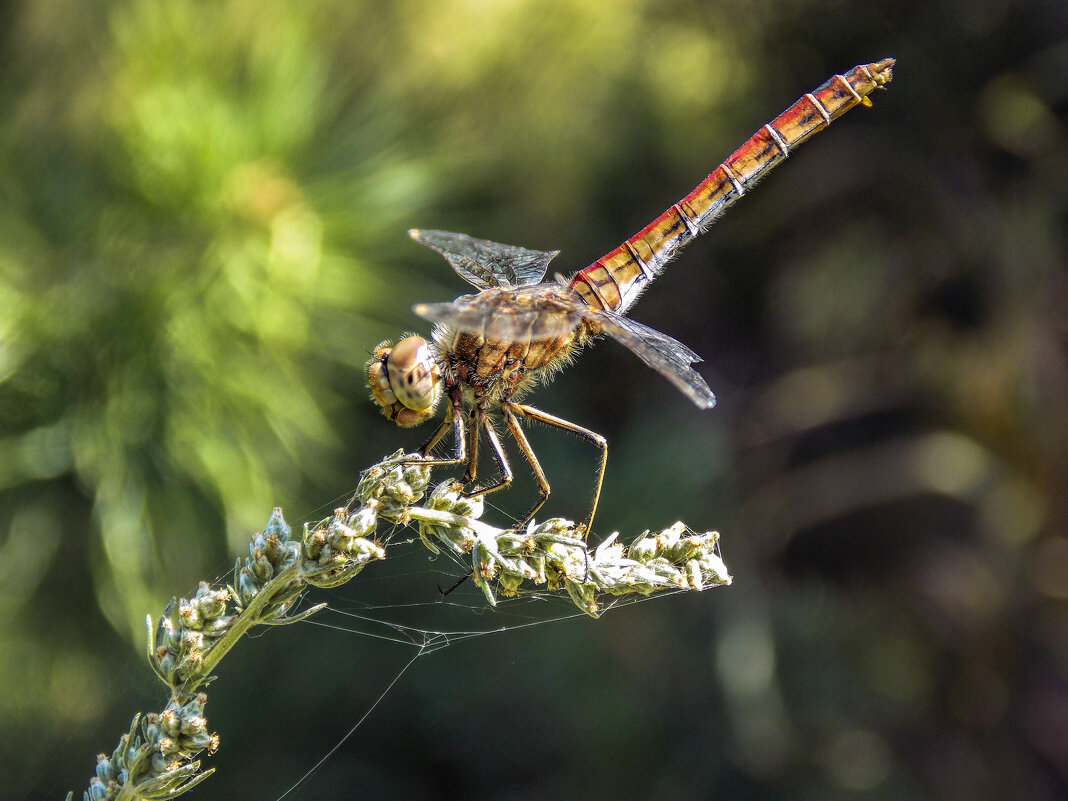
(202, 234)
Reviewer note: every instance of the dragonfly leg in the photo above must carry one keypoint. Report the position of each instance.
(532, 460)
(485, 424)
(512, 409)
(453, 420)
(472, 448)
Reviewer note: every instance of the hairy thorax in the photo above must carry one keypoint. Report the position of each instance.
(513, 340)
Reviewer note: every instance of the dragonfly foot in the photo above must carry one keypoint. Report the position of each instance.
(463, 578)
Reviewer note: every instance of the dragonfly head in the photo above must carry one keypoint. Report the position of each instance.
(404, 380)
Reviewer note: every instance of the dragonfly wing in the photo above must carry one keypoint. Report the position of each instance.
(472, 272)
(664, 354)
(528, 313)
(486, 264)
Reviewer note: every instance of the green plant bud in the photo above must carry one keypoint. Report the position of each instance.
(196, 743)
(104, 771)
(584, 596)
(165, 666)
(470, 507)
(363, 521)
(484, 585)
(445, 496)
(277, 525)
(277, 551)
(247, 587)
(187, 665)
(190, 615)
(537, 565)
(694, 578)
(169, 721)
(643, 548)
(193, 725)
(485, 564)
(713, 571)
(192, 640)
(557, 527)
(159, 763)
(569, 561)
(610, 548)
(369, 550)
(338, 533)
(417, 476)
(211, 602)
(401, 491)
(670, 536)
(524, 569)
(261, 566)
(509, 584)
(150, 727)
(166, 631)
(218, 627)
(194, 707)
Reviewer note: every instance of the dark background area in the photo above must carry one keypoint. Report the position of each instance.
(202, 235)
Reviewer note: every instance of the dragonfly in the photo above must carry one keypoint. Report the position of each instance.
(490, 348)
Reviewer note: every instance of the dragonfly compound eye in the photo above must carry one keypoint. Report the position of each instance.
(404, 380)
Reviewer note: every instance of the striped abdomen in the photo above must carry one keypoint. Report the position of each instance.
(616, 279)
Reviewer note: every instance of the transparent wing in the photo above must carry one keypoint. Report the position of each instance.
(533, 313)
(664, 354)
(541, 312)
(486, 264)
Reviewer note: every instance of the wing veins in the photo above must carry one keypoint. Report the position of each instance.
(483, 263)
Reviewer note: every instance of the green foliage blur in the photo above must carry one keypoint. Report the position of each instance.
(202, 235)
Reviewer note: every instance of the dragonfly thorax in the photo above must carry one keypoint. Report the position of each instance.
(508, 341)
(404, 380)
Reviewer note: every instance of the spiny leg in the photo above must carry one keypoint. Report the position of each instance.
(456, 585)
(472, 447)
(532, 460)
(454, 420)
(537, 415)
(478, 420)
(439, 433)
(485, 424)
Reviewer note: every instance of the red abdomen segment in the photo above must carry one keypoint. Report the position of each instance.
(616, 279)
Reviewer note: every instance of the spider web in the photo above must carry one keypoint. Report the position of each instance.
(441, 619)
